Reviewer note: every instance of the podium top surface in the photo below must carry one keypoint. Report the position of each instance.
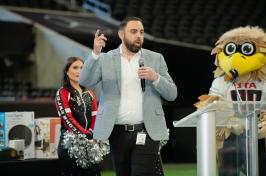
(223, 110)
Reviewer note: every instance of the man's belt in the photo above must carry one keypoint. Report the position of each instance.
(127, 127)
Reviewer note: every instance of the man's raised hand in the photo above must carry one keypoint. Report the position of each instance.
(99, 42)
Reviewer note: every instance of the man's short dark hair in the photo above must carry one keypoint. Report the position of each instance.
(128, 19)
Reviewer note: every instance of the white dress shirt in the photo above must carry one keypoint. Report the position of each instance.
(130, 109)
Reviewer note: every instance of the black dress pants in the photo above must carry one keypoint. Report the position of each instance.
(131, 159)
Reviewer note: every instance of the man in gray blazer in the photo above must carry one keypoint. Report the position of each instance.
(133, 81)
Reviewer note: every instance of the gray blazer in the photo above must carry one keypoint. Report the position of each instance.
(107, 70)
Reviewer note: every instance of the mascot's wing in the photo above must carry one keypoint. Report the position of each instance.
(262, 125)
(204, 100)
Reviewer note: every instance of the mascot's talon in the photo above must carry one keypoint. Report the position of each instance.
(235, 125)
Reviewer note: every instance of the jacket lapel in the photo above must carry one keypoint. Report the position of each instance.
(117, 63)
(143, 55)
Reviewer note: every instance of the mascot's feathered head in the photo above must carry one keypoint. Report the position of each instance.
(241, 52)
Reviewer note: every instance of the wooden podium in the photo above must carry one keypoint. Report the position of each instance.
(231, 115)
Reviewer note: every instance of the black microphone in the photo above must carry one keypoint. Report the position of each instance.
(142, 81)
(234, 73)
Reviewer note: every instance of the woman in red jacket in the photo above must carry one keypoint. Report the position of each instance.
(77, 109)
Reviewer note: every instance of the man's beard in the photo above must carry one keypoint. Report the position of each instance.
(131, 46)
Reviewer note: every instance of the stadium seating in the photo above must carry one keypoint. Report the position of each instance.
(11, 89)
(198, 22)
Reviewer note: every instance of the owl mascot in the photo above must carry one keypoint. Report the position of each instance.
(240, 75)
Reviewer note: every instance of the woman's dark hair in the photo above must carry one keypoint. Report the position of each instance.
(128, 19)
(70, 61)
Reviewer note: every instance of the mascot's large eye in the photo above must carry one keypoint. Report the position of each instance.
(248, 48)
(230, 48)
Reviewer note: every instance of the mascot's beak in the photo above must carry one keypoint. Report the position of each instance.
(234, 73)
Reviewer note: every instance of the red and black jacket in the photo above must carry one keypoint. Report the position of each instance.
(77, 111)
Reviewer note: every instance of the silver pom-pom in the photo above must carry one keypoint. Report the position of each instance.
(163, 142)
(86, 152)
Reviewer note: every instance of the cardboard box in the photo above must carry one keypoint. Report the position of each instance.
(47, 133)
(18, 145)
(20, 125)
(2, 131)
